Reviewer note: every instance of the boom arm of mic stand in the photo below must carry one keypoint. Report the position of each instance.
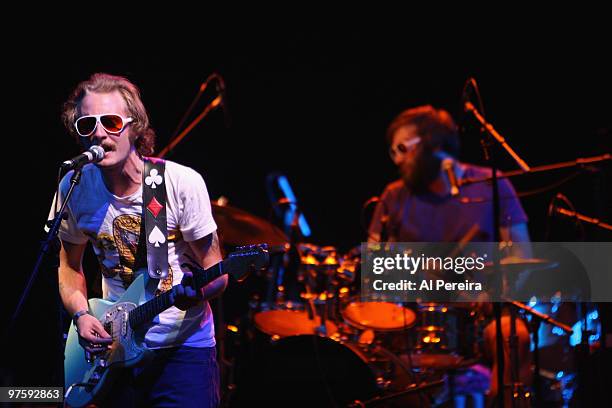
(593, 221)
(539, 169)
(542, 316)
(212, 105)
(499, 138)
(203, 87)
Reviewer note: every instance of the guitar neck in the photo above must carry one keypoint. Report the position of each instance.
(148, 310)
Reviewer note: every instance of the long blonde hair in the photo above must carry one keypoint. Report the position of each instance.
(105, 83)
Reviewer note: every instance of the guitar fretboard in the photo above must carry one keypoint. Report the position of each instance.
(148, 310)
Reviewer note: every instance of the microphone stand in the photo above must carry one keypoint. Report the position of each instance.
(50, 245)
(490, 130)
(203, 87)
(488, 133)
(497, 306)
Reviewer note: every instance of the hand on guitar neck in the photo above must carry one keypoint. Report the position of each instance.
(185, 295)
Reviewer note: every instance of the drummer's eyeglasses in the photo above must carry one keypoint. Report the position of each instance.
(111, 122)
(403, 147)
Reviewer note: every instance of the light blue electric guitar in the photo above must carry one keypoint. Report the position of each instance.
(88, 380)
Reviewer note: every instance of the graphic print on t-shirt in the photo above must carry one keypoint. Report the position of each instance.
(124, 241)
(126, 230)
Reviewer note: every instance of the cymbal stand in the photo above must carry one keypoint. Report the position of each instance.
(537, 319)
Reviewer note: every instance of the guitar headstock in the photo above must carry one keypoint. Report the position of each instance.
(246, 259)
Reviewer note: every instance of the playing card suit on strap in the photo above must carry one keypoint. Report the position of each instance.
(154, 216)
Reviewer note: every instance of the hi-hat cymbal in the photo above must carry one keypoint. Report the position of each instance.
(238, 227)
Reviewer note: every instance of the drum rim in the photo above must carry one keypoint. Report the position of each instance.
(360, 326)
(269, 333)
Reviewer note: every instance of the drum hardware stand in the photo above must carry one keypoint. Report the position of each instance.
(331, 295)
(517, 388)
(386, 398)
(538, 318)
(582, 353)
(279, 267)
(582, 350)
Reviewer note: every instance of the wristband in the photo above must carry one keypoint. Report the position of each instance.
(78, 314)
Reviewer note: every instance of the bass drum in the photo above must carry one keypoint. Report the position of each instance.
(311, 370)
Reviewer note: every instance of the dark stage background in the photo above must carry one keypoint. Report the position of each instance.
(314, 107)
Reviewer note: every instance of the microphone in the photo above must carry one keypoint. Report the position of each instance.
(449, 169)
(93, 155)
(220, 86)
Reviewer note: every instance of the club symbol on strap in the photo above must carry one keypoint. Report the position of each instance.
(156, 237)
(153, 179)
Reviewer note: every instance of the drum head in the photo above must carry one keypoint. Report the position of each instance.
(379, 316)
(283, 323)
(309, 370)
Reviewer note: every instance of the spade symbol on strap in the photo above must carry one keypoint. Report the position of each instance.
(156, 237)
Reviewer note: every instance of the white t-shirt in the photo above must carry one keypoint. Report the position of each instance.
(112, 225)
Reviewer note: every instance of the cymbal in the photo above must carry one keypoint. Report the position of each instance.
(514, 264)
(238, 227)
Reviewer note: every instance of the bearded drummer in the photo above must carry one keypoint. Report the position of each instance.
(426, 205)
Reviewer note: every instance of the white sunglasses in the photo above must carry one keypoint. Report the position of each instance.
(403, 147)
(111, 122)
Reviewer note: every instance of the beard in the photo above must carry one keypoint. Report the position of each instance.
(421, 172)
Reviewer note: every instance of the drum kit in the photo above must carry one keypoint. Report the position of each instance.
(307, 333)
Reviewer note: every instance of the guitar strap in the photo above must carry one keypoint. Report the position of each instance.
(154, 229)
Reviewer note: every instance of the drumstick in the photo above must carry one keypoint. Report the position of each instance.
(465, 240)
